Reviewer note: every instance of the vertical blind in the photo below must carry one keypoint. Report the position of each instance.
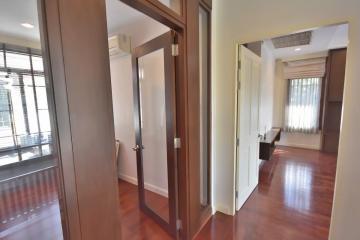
(25, 130)
(303, 105)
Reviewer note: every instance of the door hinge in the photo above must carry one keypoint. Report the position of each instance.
(177, 143)
(178, 224)
(236, 194)
(237, 142)
(239, 85)
(175, 50)
(239, 64)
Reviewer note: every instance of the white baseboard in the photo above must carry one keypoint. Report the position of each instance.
(223, 209)
(313, 147)
(161, 191)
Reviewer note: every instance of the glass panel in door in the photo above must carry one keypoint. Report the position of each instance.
(174, 5)
(153, 132)
(154, 86)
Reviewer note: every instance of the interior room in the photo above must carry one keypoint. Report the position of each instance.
(146, 77)
(285, 62)
(29, 169)
(289, 104)
(179, 119)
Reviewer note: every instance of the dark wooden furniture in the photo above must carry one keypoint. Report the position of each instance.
(267, 143)
(333, 97)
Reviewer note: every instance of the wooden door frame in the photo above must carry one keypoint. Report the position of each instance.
(90, 212)
(65, 23)
(165, 42)
(193, 217)
(181, 105)
(51, 37)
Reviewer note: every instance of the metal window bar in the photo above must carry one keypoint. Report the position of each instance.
(24, 105)
(12, 121)
(20, 73)
(35, 98)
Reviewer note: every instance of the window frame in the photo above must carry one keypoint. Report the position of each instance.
(288, 100)
(17, 148)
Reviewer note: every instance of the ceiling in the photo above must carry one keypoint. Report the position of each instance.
(323, 39)
(15, 12)
(119, 14)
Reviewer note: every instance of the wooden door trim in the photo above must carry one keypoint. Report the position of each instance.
(190, 212)
(165, 42)
(159, 12)
(207, 211)
(80, 164)
(49, 17)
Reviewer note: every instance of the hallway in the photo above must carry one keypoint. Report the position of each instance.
(293, 201)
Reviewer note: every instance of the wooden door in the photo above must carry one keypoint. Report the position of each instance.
(334, 90)
(247, 124)
(155, 126)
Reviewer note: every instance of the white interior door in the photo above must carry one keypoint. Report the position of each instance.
(247, 159)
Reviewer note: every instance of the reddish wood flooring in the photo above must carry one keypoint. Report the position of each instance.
(135, 225)
(29, 207)
(292, 201)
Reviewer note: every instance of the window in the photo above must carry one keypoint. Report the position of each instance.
(303, 106)
(25, 129)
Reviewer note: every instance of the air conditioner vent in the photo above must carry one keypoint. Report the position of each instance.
(292, 40)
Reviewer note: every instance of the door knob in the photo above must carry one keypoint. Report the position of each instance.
(136, 148)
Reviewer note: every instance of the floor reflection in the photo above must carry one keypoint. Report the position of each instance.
(29, 206)
(292, 201)
(297, 187)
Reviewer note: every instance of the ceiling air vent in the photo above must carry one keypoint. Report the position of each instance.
(292, 40)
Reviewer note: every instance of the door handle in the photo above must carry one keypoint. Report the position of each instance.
(137, 148)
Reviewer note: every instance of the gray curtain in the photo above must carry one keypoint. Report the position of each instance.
(303, 105)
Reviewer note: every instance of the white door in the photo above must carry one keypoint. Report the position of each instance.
(247, 151)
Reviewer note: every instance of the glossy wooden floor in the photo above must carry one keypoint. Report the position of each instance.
(29, 207)
(135, 225)
(293, 201)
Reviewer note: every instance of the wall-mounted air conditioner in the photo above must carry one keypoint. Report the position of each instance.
(119, 45)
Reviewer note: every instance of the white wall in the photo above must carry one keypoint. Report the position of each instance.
(248, 21)
(267, 84)
(140, 31)
(20, 41)
(300, 140)
(122, 93)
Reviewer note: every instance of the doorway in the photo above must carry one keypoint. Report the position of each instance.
(298, 106)
(247, 136)
(143, 70)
